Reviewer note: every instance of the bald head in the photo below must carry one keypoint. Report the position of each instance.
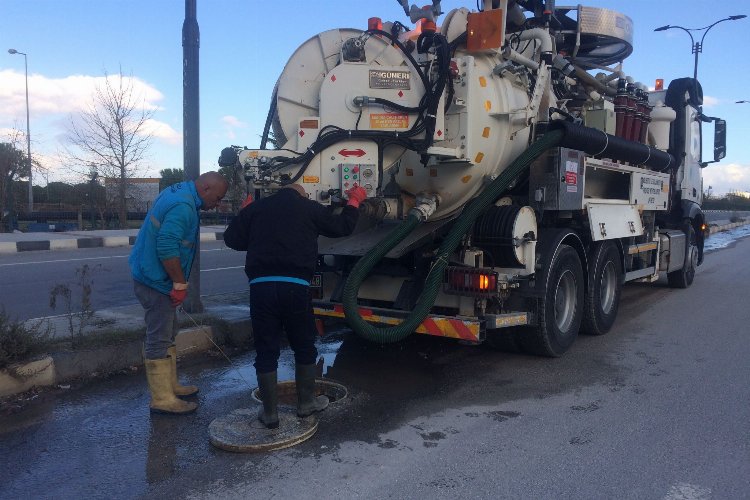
(296, 187)
(211, 187)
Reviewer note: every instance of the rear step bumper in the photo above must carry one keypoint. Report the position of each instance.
(457, 327)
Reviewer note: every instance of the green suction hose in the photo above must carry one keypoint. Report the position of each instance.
(386, 335)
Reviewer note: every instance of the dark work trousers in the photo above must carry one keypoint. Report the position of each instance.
(161, 320)
(277, 306)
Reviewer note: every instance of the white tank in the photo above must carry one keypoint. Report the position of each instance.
(485, 127)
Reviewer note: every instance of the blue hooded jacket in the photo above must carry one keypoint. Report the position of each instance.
(171, 229)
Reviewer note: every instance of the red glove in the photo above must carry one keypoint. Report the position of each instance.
(178, 296)
(357, 195)
(247, 201)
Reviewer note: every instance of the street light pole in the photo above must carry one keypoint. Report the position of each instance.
(28, 129)
(697, 47)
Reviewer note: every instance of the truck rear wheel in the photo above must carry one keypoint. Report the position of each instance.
(603, 290)
(683, 278)
(560, 309)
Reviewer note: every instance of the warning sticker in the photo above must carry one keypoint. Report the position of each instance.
(310, 179)
(571, 166)
(571, 178)
(384, 79)
(389, 120)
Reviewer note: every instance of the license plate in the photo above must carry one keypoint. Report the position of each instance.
(316, 286)
(317, 281)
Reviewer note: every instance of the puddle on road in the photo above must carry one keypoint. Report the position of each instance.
(89, 438)
(726, 238)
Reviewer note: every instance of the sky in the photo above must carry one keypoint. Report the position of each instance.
(244, 45)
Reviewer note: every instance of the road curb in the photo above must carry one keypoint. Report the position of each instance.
(64, 366)
(88, 242)
(715, 228)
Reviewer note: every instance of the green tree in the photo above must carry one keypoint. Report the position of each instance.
(237, 190)
(170, 176)
(13, 167)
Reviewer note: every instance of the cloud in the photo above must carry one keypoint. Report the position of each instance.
(230, 124)
(233, 121)
(710, 101)
(48, 96)
(726, 178)
(161, 130)
(54, 101)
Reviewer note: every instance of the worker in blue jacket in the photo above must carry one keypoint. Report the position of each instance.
(280, 235)
(160, 264)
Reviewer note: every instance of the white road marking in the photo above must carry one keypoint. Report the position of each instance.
(687, 491)
(222, 269)
(89, 258)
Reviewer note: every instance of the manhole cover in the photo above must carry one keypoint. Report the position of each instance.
(242, 432)
(287, 391)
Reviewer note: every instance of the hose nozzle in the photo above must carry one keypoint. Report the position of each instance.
(426, 205)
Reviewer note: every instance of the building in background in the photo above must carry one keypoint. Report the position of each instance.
(140, 192)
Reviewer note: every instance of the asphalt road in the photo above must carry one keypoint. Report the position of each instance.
(658, 408)
(29, 277)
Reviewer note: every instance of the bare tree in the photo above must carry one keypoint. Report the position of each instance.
(111, 136)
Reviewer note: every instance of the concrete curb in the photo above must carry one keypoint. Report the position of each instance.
(715, 228)
(63, 366)
(88, 242)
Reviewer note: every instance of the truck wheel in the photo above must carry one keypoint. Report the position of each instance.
(604, 288)
(683, 278)
(561, 308)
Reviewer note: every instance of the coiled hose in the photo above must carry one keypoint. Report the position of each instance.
(362, 268)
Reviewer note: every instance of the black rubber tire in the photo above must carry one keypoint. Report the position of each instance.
(683, 278)
(560, 310)
(603, 289)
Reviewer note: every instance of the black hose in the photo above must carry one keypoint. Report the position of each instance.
(451, 241)
(269, 117)
(597, 143)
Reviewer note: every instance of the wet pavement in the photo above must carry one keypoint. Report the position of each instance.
(98, 439)
(655, 409)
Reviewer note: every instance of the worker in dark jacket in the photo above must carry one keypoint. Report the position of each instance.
(280, 234)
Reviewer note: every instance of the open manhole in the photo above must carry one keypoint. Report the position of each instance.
(287, 391)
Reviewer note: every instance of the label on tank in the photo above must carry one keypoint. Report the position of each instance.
(384, 79)
(389, 120)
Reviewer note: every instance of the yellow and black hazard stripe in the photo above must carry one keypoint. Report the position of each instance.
(441, 326)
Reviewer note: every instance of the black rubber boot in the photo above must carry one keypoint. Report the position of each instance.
(269, 414)
(307, 402)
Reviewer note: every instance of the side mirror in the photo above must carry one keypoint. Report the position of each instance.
(720, 139)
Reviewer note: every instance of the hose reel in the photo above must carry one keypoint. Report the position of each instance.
(500, 232)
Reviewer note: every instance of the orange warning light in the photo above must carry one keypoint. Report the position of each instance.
(484, 282)
(375, 23)
(659, 84)
(485, 30)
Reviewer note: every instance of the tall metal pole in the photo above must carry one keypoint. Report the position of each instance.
(191, 131)
(698, 46)
(28, 126)
(28, 135)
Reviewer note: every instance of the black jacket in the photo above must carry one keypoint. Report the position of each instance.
(280, 234)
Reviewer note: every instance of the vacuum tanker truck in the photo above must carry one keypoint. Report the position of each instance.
(516, 175)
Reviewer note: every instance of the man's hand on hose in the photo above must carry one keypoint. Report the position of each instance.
(178, 293)
(357, 195)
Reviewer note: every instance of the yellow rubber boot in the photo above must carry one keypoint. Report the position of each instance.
(163, 399)
(179, 390)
